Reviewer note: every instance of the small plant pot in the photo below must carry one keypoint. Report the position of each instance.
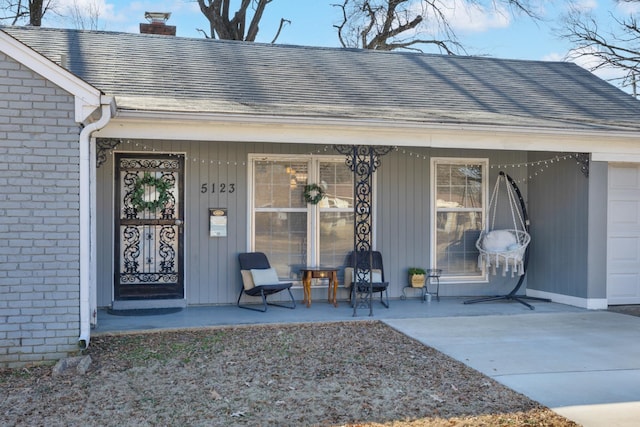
(417, 280)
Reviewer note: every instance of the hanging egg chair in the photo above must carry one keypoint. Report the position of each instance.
(504, 248)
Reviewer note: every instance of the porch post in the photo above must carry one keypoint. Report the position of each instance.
(363, 160)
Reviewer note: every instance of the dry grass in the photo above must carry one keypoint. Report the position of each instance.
(354, 373)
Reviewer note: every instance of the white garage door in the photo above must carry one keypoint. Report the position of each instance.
(623, 235)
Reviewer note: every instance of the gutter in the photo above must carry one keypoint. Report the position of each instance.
(87, 222)
(613, 129)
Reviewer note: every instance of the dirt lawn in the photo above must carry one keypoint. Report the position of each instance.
(324, 374)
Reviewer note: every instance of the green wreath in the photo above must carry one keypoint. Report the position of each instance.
(313, 193)
(162, 187)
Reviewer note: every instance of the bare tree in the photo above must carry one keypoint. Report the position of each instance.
(614, 45)
(84, 16)
(31, 12)
(407, 24)
(224, 25)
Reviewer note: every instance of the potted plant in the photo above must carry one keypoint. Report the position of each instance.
(417, 277)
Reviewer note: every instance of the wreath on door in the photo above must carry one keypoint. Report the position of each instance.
(313, 193)
(161, 186)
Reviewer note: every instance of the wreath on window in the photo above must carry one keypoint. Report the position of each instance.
(162, 188)
(313, 193)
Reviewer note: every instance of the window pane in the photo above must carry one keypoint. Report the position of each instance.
(280, 184)
(336, 214)
(283, 237)
(337, 180)
(336, 237)
(459, 186)
(472, 193)
(459, 194)
(456, 237)
(443, 174)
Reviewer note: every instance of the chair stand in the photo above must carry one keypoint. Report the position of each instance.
(511, 296)
(265, 303)
(384, 301)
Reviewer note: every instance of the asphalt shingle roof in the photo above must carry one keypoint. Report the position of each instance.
(164, 73)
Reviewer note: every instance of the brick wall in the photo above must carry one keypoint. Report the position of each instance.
(158, 28)
(39, 225)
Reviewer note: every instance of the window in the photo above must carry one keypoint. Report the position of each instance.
(459, 200)
(291, 232)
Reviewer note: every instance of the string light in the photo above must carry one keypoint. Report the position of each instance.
(184, 156)
(538, 166)
(534, 163)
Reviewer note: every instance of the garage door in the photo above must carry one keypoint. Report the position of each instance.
(623, 235)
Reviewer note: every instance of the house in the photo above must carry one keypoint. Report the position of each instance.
(135, 167)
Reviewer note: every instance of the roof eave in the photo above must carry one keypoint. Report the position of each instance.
(613, 130)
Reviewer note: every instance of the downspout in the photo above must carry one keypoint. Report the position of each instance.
(87, 261)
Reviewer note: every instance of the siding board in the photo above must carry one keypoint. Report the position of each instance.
(559, 248)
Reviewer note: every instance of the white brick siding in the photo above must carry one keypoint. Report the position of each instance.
(39, 218)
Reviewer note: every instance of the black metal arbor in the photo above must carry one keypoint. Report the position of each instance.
(363, 160)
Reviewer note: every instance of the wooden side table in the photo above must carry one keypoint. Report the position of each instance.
(320, 273)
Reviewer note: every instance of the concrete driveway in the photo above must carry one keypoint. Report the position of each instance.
(583, 365)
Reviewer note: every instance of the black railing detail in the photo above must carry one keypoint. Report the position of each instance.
(363, 160)
(103, 146)
(583, 161)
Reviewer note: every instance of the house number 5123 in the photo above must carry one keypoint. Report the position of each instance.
(222, 187)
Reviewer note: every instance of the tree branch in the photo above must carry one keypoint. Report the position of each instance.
(218, 12)
(340, 27)
(282, 23)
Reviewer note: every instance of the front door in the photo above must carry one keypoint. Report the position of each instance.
(149, 212)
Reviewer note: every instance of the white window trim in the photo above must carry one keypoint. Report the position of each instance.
(313, 231)
(432, 210)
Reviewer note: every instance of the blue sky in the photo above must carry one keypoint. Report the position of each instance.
(483, 32)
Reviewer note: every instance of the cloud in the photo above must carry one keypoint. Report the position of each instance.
(465, 16)
(554, 56)
(462, 16)
(628, 7)
(583, 5)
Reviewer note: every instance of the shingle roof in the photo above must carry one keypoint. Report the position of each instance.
(162, 73)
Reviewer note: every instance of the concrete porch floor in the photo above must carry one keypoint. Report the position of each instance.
(320, 311)
(583, 364)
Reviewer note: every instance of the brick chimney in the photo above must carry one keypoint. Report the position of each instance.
(158, 24)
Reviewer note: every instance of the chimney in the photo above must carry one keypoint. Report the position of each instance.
(158, 24)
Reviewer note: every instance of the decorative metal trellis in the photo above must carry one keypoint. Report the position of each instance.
(363, 160)
(103, 147)
(148, 241)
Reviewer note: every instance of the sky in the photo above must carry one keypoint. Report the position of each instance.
(482, 31)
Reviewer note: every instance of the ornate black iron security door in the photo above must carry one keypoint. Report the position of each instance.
(149, 212)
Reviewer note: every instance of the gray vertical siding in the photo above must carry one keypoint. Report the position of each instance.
(39, 224)
(559, 203)
(212, 276)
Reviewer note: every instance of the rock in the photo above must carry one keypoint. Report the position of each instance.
(78, 365)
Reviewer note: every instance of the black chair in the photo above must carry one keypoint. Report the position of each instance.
(379, 286)
(258, 261)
